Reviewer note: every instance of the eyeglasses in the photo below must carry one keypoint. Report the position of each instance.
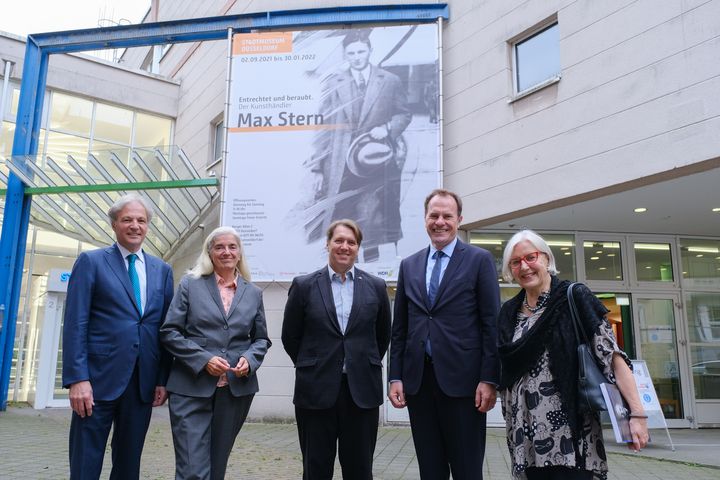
(219, 248)
(529, 259)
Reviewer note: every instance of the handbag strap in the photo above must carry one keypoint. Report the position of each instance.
(575, 316)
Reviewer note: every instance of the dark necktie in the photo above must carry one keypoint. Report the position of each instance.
(432, 290)
(362, 86)
(435, 276)
(134, 280)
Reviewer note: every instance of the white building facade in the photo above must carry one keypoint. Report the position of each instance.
(567, 117)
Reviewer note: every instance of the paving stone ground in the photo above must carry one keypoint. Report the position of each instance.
(33, 445)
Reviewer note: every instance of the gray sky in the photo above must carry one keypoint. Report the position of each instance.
(36, 16)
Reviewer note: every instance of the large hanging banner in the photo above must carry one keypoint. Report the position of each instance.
(331, 124)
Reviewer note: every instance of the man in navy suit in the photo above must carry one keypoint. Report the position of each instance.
(112, 360)
(336, 330)
(443, 357)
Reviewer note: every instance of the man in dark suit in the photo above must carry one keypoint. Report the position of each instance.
(372, 102)
(336, 330)
(112, 361)
(443, 359)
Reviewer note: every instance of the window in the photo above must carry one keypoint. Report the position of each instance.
(603, 260)
(653, 262)
(151, 62)
(537, 59)
(218, 141)
(700, 263)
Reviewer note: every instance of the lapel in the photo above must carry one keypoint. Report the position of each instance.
(116, 262)
(374, 86)
(151, 272)
(359, 285)
(322, 277)
(417, 268)
(214, 291)
(345, 94)
(453, 265)
(242, 287)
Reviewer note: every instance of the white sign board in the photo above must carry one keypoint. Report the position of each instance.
(58, 279)
(325, 125)
(648, 397)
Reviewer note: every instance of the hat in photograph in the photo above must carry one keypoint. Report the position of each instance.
(366, 154)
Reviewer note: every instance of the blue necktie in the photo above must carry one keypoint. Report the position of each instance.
(433, 288)
(435, 276)
(134, 280)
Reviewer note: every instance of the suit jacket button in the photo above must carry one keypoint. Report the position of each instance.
(225, 327)
(222, 350)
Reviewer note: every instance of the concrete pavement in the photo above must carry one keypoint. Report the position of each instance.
(33, 445)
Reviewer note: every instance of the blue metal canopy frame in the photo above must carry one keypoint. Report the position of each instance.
(32, 90)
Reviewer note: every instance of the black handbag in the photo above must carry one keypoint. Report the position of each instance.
(590, 397)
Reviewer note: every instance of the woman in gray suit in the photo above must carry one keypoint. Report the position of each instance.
(216, 331)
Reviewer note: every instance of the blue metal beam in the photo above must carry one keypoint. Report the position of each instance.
(215, 28)
(17, 206)
(40, 46)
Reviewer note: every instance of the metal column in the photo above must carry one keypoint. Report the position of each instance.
(17, 205)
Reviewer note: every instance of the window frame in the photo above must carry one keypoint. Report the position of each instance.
(514, 42)
(215, 159)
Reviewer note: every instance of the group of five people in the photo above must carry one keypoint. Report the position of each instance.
(129, 343)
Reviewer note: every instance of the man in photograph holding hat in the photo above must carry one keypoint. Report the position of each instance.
(357, 168)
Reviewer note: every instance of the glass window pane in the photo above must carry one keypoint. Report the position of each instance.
(151, 131)
(538, 58)
(113, 123)
(14, 102)
(705, 369)
(618, 315)
(653, 262)
(603, 260)
(70, 114)
(6, 139)
(703, 310)
(54, 243)
(60, 144)
(658, 339)
(219, 137)
(563, 248)
(700, 262)
(506, 293)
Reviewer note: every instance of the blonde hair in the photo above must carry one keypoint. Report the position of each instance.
(204, 265)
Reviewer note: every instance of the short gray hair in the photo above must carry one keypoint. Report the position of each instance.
(124, 201)
(203, 264)
(537, 242)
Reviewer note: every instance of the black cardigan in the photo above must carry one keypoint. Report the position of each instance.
(553, 332)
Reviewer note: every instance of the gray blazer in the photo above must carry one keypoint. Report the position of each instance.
(196, 328)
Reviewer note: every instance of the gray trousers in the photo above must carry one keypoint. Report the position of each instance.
(204, 432)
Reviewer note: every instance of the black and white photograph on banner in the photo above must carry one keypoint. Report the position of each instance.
(344, 124)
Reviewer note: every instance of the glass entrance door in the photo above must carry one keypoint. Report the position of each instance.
(662, 345)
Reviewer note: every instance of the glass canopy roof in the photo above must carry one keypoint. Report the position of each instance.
(73, 192)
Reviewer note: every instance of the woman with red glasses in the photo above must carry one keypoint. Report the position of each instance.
(549, 437)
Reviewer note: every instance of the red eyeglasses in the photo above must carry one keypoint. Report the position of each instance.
(529, 259)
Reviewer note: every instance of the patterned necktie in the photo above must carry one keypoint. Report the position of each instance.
(134, 280)
(435, 276)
